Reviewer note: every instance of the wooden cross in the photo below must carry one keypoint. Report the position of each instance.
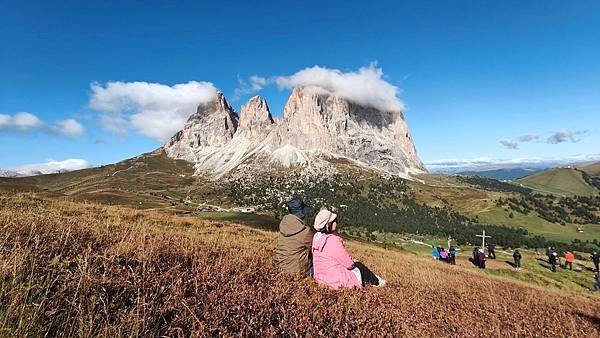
(483, 237)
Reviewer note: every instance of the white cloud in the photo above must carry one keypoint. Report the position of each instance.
(24, 122)
(20, 122)
(565, 135)
(509, 144)
(253, 86)
(69, 127)
(528, 138)
(365, 86)
(153, 109)
(51, 167)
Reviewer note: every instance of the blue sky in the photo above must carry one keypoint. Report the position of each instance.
(471, 73)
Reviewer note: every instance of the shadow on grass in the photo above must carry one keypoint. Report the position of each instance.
(512, 264)
(545, 264)
(592, 319)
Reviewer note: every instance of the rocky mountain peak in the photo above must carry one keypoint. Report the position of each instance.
(315, 125)
(212, 125)
(254, 112)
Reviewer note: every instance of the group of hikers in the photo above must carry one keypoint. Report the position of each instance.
(569, 257)
(478, 257)
(319, 253)
(443, 254)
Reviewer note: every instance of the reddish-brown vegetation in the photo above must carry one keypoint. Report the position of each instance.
(74, 269)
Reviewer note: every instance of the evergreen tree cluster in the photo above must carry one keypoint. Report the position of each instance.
(578, 209)
(491, 184)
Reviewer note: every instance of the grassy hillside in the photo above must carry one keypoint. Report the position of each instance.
(83, 269)
(150, 180)
(560, 181)
(591, 169)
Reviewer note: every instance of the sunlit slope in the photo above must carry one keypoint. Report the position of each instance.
(591, 169)
(561, 181)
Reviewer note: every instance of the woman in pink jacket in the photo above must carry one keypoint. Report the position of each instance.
(332, 264)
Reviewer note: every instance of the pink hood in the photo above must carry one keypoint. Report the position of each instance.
(331, 262)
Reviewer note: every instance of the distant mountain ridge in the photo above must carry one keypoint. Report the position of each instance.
(315, 126)
(8, 173)
(503, 174)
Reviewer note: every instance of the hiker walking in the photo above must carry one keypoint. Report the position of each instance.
(596, 259)
(553, 260)
(292, 253)
(517, 257)
(569, 259)
(452, 256)
(597, 280)
(491, 252)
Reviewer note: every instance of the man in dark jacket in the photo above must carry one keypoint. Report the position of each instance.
(293, 249)
(452, 255)
(517, 257)
(596, 259)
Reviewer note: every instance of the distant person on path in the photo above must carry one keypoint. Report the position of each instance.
(452, 255)
(569, 259)
(553, 260)
(597, 280)
(596, 259)
(332, 263)
(292, 253)
(481, 258)
(491, 252)
(435, 253)
(517, 257)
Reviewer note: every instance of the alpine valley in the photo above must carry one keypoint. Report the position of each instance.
(334, 152)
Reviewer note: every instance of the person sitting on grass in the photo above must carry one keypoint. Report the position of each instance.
(332, 264)
(292, 253)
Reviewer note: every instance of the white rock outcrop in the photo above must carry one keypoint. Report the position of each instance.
(315, 126)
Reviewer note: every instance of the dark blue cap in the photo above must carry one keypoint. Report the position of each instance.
(297, 207)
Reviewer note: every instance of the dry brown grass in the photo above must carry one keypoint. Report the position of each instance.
(75, 269)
